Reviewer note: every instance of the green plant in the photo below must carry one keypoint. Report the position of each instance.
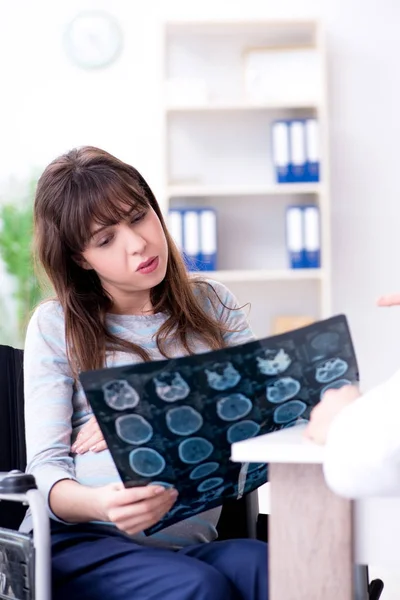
(16, 228)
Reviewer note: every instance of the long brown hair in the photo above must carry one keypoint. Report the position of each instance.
(86, 185)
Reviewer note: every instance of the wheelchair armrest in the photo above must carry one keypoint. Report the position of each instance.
(15, 482)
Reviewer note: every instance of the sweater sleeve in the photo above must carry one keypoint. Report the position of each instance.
(362, 454)
(48, 389)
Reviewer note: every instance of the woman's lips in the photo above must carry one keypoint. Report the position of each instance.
(148, 266)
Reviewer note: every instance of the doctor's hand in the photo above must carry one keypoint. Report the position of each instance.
(323, 414)
(389, 300)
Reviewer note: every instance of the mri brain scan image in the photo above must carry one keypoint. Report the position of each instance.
(233, 407)
(331, 369)
(119, 395)
(242, 431)
(222, 376)
(146, 462)
(195, 450)
(326, 342)
(134, 429)
(204, 470)
(289, 411)
(171, 387)
(282, 389)
(210, 484)
(273, 363)
(183, 420)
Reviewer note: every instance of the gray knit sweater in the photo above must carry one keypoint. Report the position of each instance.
(56, 408)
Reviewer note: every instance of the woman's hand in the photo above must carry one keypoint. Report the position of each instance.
(89, 438)
(322, 415)
(134, 509)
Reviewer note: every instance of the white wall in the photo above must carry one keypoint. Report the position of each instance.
(365, 96)
(48, 105)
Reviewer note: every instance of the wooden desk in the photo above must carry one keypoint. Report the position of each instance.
(316, 537)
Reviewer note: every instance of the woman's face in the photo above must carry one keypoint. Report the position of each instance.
(129, 257)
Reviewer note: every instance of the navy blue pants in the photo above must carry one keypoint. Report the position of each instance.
(92, 563)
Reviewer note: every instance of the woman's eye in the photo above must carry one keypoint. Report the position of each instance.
(138, 217)
(104, 242)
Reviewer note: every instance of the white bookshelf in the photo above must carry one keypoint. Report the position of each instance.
(239, 107)
(260, 275)
(218, 153)
(244, 190)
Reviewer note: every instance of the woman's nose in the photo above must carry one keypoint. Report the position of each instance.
(135, 243)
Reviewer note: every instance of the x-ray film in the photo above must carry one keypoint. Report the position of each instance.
(172, 422)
